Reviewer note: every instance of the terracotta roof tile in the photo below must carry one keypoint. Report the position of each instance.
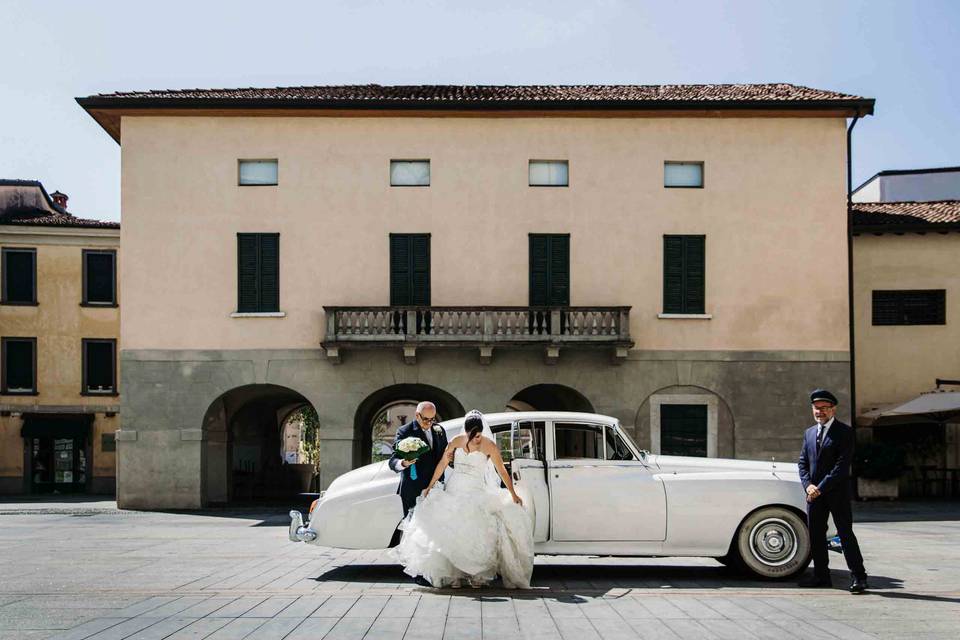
(41, 217)
(899, 214)
(426, 94)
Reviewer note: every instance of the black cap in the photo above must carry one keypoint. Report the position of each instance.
(823, 394)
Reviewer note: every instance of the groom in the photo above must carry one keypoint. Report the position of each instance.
(425, 427)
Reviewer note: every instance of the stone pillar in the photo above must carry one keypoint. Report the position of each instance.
(159, 469)
(336, 456)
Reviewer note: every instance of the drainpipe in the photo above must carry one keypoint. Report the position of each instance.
(853, 348)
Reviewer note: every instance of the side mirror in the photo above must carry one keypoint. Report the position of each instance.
(643, 454)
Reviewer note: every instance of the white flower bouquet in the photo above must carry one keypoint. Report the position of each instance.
(411, 449)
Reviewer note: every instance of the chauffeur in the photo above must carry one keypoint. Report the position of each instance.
(825, 473)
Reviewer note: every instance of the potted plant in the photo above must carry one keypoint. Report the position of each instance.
(878, 466)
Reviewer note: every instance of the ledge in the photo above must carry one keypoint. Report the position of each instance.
(685, 316)
(258, 314)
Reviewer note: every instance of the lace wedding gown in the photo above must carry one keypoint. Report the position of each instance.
(467, 531)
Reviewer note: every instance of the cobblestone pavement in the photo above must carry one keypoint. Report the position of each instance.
(78, 570)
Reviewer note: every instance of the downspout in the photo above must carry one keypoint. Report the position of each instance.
(853, 348)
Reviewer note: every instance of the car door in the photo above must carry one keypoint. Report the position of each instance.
(599, 490)
(523, 448)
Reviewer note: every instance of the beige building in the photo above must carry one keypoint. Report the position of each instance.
(906, 305)
(59, 326)
(673, 256)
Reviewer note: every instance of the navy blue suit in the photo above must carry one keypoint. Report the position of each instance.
(409, 488)
(829, 470)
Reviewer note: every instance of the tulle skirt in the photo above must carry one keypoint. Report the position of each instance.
(470, 535)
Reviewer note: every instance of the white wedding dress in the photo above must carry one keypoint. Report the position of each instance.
(467, 531)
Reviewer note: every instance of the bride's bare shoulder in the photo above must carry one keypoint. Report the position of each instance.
(458, 441)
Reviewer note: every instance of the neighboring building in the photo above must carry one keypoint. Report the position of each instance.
(640, 251)
(906, 258)
(911, 185)
(59, 326)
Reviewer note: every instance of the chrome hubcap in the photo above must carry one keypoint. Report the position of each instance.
(773, 542)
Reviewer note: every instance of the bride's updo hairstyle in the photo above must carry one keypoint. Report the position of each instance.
(473, 424)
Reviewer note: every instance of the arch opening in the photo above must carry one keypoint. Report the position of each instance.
(254, 446)
(550, 397)
(383, 412)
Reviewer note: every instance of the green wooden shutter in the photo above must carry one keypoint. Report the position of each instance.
(100, 271)
(684, 274)
(420, 269)
(673, 274)
(269, 272)
(539, 271)
(693, 289)
(248, 284)
(400, 276)
(559, 271)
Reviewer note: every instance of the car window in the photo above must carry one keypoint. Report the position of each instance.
(578, 441)
(527, 441)
(617, 449)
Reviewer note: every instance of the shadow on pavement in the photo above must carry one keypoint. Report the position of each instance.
(906, 511)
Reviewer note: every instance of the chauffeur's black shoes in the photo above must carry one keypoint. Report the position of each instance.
(858, 585)
(816, 582)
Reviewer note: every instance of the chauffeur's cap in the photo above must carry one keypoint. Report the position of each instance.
(823, 394)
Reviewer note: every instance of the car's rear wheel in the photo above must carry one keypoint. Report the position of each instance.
(773, 542)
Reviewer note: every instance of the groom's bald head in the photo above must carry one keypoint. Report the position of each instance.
(427, 409)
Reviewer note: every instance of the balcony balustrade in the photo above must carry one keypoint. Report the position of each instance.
(485, 328)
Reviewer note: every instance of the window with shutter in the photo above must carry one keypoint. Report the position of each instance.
(683, 430)
(19, 276)
(549, 270)
(409, 269)
(258, 272)
(19, 366)
(684, 277)
(99, 277)
(99, 366)
(910, 307)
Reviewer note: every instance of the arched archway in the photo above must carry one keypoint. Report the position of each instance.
(245, 456)
(396, 403)
(549, 397)
(686, 420)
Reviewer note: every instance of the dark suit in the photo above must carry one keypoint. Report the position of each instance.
(829, 470)
(409, 488)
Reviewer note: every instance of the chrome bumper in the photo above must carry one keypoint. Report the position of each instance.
(298, 532)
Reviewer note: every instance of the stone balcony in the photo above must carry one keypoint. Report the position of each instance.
(484, 328)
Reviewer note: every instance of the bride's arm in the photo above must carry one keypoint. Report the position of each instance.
(494, 452)
(444, 462)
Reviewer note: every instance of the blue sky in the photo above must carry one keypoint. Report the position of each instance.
(905, 54)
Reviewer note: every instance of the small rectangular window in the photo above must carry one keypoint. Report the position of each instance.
(549, 173)
(409, 173)
(99, 277)
(258, 272)
(99, 366)
(915, 307)
(258, 173)
(19, 366)
(19, 273)
(683, 175)
(578, 441)
(108, 442)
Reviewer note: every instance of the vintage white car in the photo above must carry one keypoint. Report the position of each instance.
(590, 490)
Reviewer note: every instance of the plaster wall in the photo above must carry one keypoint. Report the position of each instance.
(773, 199)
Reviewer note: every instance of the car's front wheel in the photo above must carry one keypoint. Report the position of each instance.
(773, 542)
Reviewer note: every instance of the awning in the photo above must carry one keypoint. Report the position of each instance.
(935, 406)
(56, 425)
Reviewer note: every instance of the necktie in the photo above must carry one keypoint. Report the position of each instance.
(819, 438)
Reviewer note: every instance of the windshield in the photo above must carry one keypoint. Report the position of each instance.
(626, 436)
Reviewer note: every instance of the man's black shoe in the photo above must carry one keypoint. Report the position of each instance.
(420, 580)
(858, 585)
(815, 582)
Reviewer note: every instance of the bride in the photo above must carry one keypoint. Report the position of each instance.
(469, 530)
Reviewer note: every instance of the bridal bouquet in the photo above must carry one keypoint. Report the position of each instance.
(411, 449)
